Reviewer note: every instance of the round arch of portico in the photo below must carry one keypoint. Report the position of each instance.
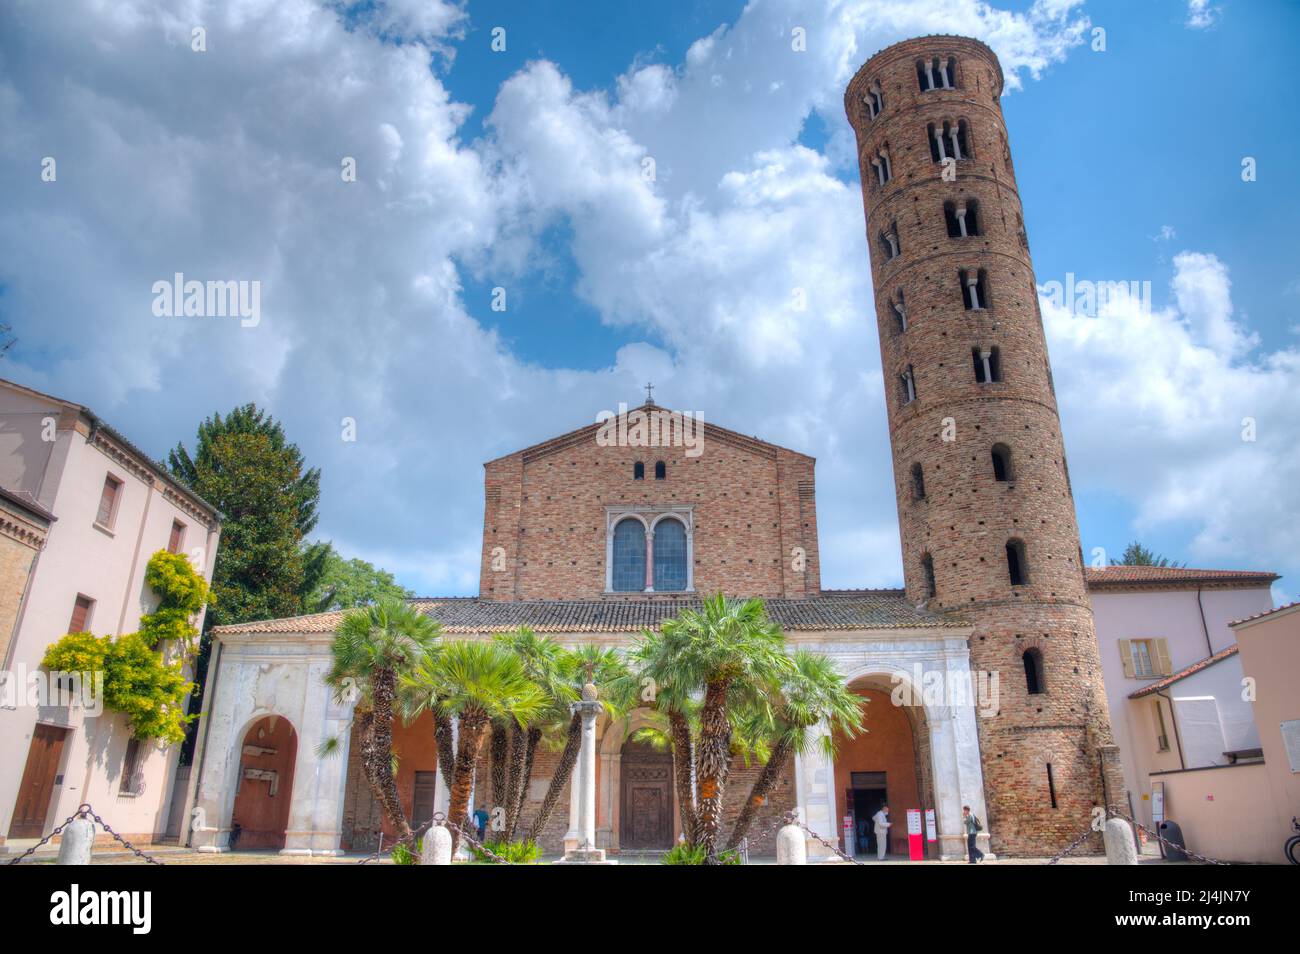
(231, 780)
(609, 754)
(945, 743)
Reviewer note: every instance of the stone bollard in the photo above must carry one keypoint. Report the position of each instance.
(1118, 837)
(78, 838)
(436, 849)
(791, 848)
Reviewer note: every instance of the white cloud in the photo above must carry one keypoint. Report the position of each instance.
(1200, 15)
(1155, 404)
(226, 165)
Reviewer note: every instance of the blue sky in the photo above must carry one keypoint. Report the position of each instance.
(521, 169)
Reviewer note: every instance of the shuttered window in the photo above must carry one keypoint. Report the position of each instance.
(108, 501)
(80, 621)
(177, 538)
(1145, 658)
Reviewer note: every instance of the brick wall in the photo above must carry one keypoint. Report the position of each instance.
(545, 508)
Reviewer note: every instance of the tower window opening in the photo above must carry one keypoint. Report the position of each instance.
(962, 219)
(918, 482)
(987, 365)
(884, 170)
(958, 139)
(900, 311)
(1001, 455)
(973, 289)
(875, 101)
(935, 73)
(927, 568)
(1016, 563)
(907, 383)
(889, 242)
(1033, 660)
(638, 471)
(1051, 785)
(948, 140)
(661, 470)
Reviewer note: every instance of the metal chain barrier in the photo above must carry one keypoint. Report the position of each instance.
(85, 811)
(440, 820)
(1116, 813)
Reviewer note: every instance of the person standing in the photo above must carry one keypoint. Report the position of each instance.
(973, 828)
(881, 822)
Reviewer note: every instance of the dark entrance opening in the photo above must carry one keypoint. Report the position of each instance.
(646, 803)
(866, 802)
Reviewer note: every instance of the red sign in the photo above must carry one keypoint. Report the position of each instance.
(915, 850)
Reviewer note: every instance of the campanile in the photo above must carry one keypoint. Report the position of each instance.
(985, 508)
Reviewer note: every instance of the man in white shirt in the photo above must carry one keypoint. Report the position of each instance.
(881, 822)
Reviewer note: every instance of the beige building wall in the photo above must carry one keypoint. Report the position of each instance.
(59, 454)
(1193, 621)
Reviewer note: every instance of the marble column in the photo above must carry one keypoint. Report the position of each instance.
(586, 852)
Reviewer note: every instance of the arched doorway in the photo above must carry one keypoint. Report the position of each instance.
(264, 786)
(886, 765)
(646, 798)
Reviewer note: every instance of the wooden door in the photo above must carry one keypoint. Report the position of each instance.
(646, 816)
(422, 801)
(37, 787)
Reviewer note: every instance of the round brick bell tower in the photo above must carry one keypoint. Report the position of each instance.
(984, 501)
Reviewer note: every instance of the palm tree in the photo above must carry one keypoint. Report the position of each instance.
(545, 664)
(375, 646)
(728, 651)
(474, 682)
(813, 692)
(605, 669)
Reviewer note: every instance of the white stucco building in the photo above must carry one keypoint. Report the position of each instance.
(109, 508)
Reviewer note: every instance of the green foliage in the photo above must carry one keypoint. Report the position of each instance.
(402, 854)
(473, 679)
(515, 852)
(77, 652)
(182, 593)
(137, 682)
(390, 636)
(684, 854)
(1135, 554)
(245, 466)
(344, 584)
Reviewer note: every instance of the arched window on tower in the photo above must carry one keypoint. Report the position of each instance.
(1033, 660)
(638, 471)
(1017, 570)
(948, 140)
(927, 569)
(899, 308)
(988, 365)
(1002, 463)
(907, 385)
(918, 482)
(661, 470)
(889, 242)
(875, 101)
(962, 219)
(974, 291)
(670, 556)
(881, 164)
(628, 559)
(936, 73)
